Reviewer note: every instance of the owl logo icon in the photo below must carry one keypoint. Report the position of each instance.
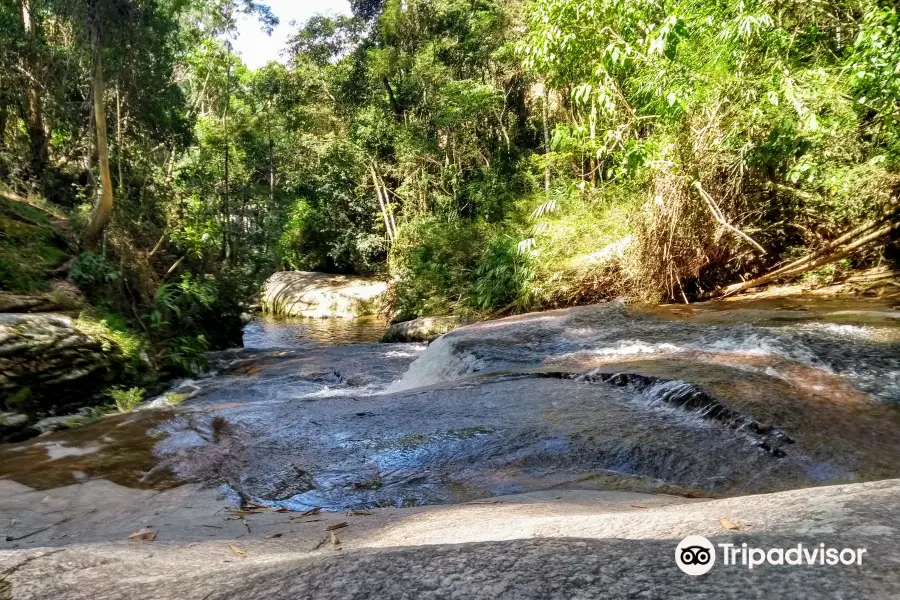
(695, 555)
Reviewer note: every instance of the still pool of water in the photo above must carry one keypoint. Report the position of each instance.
(266, 331)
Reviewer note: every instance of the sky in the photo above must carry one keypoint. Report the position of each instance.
(257, 48)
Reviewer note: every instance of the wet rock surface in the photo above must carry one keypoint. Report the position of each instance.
(612, 426)
(601, 397)
(860, 345)
(559, 545)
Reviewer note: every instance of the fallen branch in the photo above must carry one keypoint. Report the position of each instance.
(174, 266)
(162, 239)
(817, 259)
(829, 247)
(717, 214)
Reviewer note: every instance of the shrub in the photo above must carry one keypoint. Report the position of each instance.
(126, 400)
(94, 274)
(503, 273)
(431, 263)
(186, 354)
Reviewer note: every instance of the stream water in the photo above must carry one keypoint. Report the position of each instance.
(703, 400)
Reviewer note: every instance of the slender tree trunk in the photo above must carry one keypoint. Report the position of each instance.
(36, 133)
(390, 207)
(271, 205)
(395, 106)
(120, 149)
(546, 142)
(226, 200)
(103, 208)
(3, 118)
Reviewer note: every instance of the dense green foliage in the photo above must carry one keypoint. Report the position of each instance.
(485, 155)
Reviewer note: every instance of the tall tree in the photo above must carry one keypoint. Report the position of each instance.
(36, 132)
(104, 204)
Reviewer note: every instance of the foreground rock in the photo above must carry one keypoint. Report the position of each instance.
(310, 294)
(557, 545)
(424, 329)
(48, 364)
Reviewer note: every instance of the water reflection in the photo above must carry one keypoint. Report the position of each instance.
(300, 332)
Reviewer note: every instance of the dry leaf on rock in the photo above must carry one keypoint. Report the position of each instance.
(272, 536)
(728, 524)
(237, 551)
(335, 539)
(143, 535)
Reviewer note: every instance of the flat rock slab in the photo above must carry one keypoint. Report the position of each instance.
(561, 546)
(311, 294)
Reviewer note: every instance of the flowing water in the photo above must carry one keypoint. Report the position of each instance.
(702, 400)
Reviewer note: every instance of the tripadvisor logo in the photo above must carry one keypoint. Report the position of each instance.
(696, 555)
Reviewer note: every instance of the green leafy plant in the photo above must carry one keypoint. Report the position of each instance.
(126, 399)
(93, 273)
(187, 354)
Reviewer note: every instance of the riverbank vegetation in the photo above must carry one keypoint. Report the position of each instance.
(485, 155)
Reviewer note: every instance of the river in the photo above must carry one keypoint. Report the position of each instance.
(718, 399)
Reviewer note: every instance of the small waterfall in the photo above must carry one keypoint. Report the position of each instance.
(440, 363)
(692, 399)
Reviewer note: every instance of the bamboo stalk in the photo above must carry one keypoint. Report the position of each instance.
(384, 215)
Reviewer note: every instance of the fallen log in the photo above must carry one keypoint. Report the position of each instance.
(871, 231)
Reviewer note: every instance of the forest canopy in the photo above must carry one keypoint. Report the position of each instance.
(484, 155)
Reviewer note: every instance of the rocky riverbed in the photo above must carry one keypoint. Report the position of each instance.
(699, 402)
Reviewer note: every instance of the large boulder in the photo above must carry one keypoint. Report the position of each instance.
(310, 294)
(424, 329)
(48, 365)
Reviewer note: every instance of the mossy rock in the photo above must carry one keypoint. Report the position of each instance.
(48, 365)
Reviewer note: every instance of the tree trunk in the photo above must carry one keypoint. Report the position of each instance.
(103, 208)
(271, 205)
(546, 142)
(390, 207)
(3, 119)
(37, 135)
(861, 237)
(120, 149)
(395, 106)
(226, 200)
